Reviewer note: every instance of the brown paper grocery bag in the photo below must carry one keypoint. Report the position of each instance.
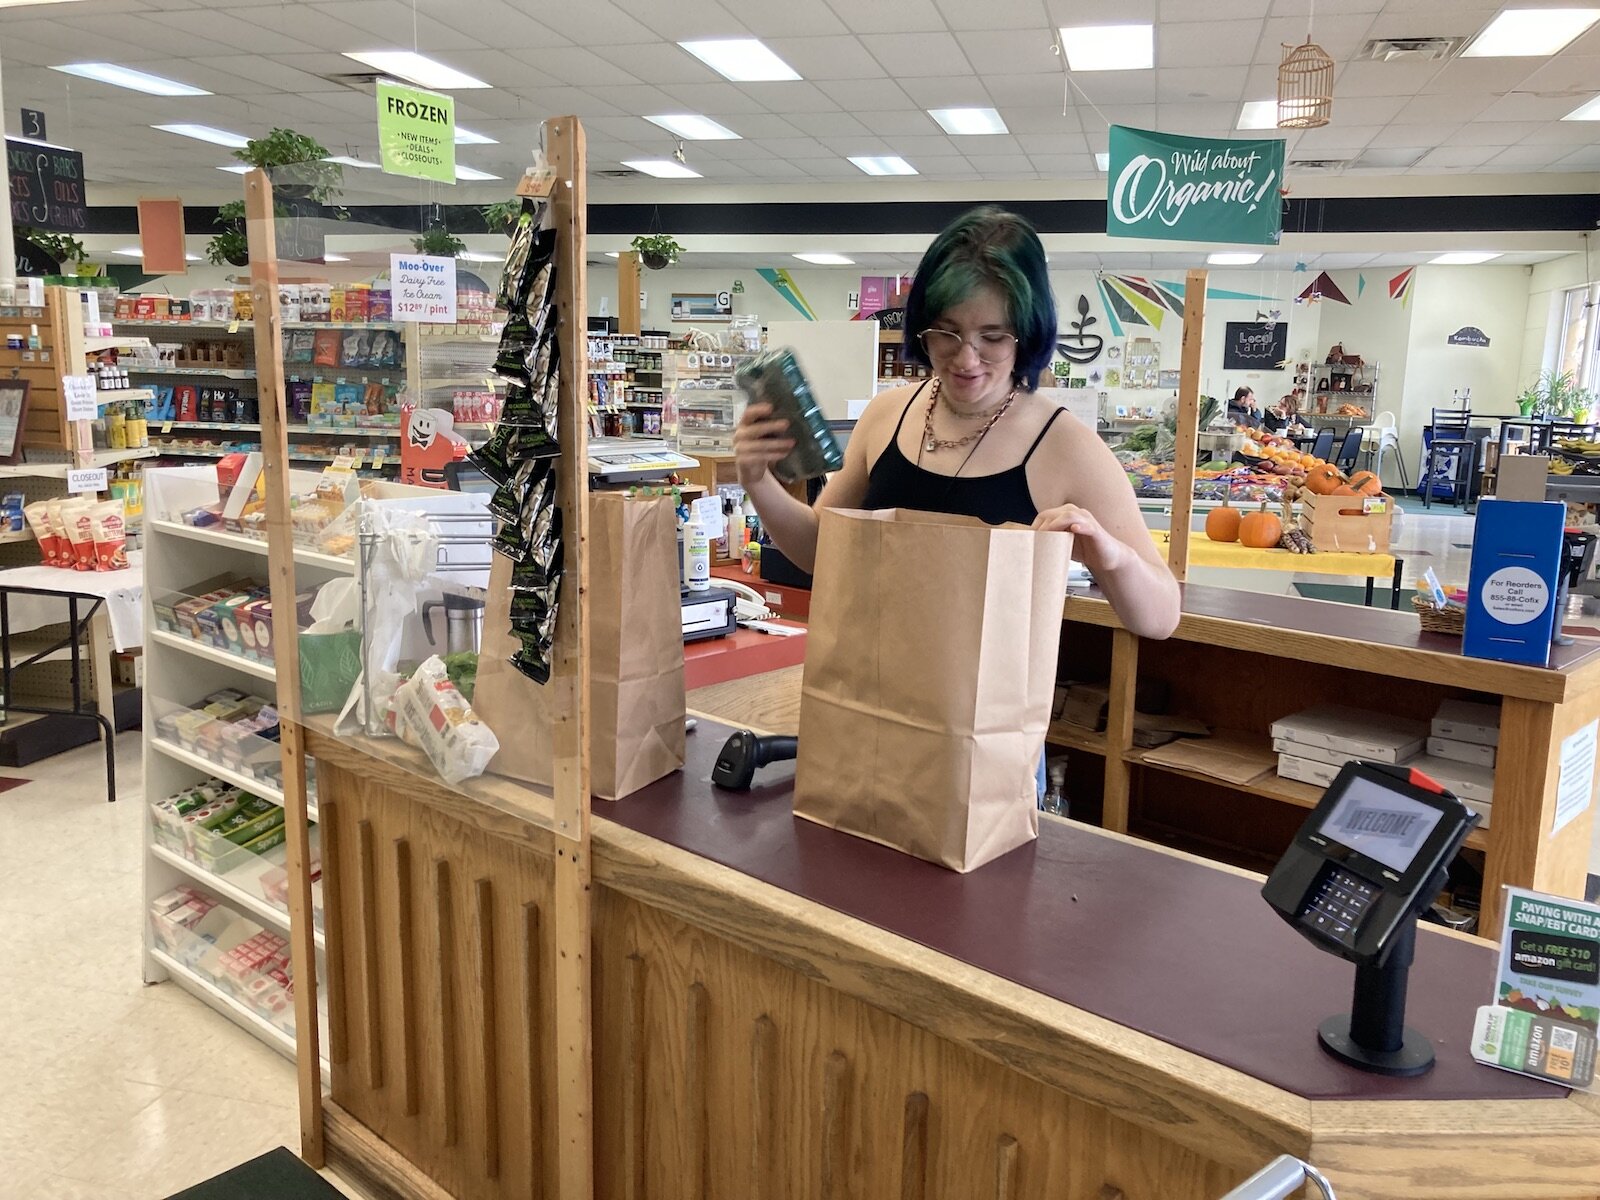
(636, 701)
(930, 668)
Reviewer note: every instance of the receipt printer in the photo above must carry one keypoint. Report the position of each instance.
(707, 614)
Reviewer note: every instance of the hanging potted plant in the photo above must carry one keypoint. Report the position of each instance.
(439, 242)
(230, 246)
(61, 248)
(502, 216)
(312, 178)
(657, 250)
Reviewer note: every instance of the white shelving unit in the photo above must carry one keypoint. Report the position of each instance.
(179, 672)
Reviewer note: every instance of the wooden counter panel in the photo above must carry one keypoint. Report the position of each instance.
(723, 1075)
(440, 1000)
(1363, 639)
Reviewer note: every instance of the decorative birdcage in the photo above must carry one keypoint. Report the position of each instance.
(1305, 87)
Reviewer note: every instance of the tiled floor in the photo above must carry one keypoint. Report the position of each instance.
(112, 1089)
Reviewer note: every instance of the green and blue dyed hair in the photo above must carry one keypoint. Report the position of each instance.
(988, 246)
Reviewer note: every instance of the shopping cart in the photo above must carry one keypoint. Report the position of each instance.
(1280, 1179)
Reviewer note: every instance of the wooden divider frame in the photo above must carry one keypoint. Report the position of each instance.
(1194, 318)
(565, 146)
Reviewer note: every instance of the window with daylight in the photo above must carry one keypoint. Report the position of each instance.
(1580, 332)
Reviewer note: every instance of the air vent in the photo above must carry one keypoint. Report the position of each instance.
(1319, 164)
(1427, 49)
(621, 173)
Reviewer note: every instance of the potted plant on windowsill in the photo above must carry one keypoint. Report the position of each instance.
(439, 242)
(657, 250)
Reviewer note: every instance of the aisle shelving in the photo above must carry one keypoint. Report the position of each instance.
(227, 890)
(203, 989)
(188, 645)
(238, 541)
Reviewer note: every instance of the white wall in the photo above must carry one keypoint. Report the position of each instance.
(1547, 288)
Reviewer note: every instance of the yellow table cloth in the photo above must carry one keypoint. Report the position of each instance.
(1203, 552)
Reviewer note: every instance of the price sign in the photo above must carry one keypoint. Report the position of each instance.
(423, 288)
(88, 479)
(83, 398)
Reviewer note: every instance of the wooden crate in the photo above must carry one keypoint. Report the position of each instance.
(1337, 523)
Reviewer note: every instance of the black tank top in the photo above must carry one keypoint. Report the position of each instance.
(896, 482)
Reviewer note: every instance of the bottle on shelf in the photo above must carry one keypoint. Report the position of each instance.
(1055, 793)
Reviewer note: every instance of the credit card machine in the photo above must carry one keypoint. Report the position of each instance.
(1368, 861)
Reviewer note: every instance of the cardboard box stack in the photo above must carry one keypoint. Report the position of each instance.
(1458, 749)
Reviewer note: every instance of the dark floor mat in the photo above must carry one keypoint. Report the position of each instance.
(276, 1175)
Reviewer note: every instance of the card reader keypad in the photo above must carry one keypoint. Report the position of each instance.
(1338, 905)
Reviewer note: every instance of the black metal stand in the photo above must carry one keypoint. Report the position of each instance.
(76, 628)
(1373, 1035)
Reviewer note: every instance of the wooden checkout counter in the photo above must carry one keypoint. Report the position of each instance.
(782, 1010)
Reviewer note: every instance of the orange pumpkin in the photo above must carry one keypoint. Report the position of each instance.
(1222, 523)
(1366, 483)
(1260, 530)
(1321, 480)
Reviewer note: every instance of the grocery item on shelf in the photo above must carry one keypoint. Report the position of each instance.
(1313, 744)
(233, 953)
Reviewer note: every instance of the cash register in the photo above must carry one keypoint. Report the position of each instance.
(1367, 862)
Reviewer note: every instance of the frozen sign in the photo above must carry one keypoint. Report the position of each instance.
(1189, 189)
(424, 288)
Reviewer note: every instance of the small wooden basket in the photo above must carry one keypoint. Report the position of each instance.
(1451, 621)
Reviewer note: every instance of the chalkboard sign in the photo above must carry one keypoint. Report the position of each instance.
(46, 187)
(1252, 346)
(890, 318)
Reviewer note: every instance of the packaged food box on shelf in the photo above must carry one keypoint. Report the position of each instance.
(234, 731)
(1464, 779)
(233, 616)
(228, 950)
(1355, 731)
(1308, 770)
(218, 826)
(1474, 753)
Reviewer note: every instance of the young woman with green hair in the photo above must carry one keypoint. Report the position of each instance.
(979, 439)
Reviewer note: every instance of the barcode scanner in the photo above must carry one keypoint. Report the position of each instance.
(744, 752)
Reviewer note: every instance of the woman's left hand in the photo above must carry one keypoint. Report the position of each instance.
(1091, 545)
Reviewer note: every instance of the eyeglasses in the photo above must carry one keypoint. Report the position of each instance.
(991, 345)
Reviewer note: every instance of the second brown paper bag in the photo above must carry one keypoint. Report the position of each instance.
(636, 697)
(930, 669)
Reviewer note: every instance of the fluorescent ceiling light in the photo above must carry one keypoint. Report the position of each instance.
(1258, 114)
(34, 141)
(28, 4)
(743, 60)
(191, 258)
(1463, 258)
(662, 168)
(237, 169)
(127, 77)
(1229, 258)
(475, 256)
(416, 68)
(205, 133)
(1530, 32)
(129, 252)
(1102, 159)
(887, 164)
(827, 260)
(694, 127)
(465, 137)
(472, 173)
(328, 258)
(1109, 47)
(344, 160)
(1587, 111)
(968, 120)
(613, 253)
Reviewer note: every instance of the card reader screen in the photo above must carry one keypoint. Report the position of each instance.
(1381, 824)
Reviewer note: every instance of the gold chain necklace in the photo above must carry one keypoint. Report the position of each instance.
(931, 443)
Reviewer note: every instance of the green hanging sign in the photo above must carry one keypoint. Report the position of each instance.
(416, 132)
(1189, 189)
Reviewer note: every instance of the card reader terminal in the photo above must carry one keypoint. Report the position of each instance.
(1368, 860)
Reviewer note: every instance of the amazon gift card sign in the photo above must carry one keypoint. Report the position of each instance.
(1511, 593)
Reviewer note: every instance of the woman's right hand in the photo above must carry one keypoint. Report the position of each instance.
(759, 440)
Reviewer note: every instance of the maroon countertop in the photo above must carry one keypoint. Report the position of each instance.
(1175, 949)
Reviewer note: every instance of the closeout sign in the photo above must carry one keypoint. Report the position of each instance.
(416, 132)
(1187, 189)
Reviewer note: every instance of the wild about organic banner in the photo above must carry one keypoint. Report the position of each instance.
(1189, 189)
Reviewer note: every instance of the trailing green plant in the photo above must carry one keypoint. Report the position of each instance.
(502, 216)
(1556, 394)
(62, 247)
(318, 178)
(658, 250)
(229, 246)
(438, 241)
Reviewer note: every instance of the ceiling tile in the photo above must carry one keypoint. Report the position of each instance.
(894, 124)
(1340, 35)
(1193, 117)
(1497, 133)
(1100, 12)
(1447, 110)
(1402, 77)
(639, 99)
(1066, 141)
(1140, 116)
(567, 64)
(800, 147)
(1207, 43)
(1063, 166)
(1338, 135)
(1117, 87)
(555, 101)
(713, 99)
(1435, 18)
(134, 29)
(223, 29)
(1024, 91)
(947, 92)
(768, 21)
(1401, 136)
(1007, 52)
(1201, 10)
(1566, 73)
(994, 14)
(828, 124)
(683, 20)
(1468, 76)
(1587, 157)
(1563, 133)
(859, 144)
(908, 55)
(651, 62)
(1520, 157)
(789, 96)
(596, 23)
(1051, 120)
(1520, 107)
(829, 58)
(385, 24)
(888, 16)
(1457, 156)
(493, 22)
(758, 125)
(1197, 83)
(877, 94)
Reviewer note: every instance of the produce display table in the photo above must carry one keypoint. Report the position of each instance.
(1203, 552)
(784, 1010)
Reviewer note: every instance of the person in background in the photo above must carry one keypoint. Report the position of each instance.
(978, 439)
(1244, 408)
